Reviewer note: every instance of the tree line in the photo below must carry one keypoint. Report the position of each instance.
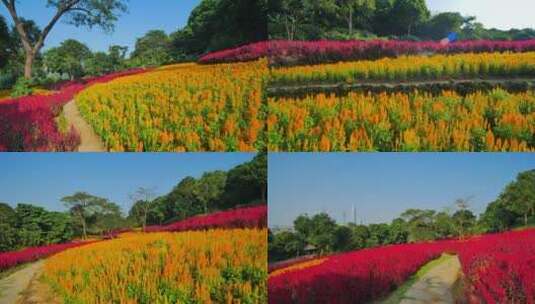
(365, 19)
(320, 234)
(212, 25)
(89, 215)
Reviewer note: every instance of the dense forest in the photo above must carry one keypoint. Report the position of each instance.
(514, 207)
(369, 19)
(92, 216)
(212, 25)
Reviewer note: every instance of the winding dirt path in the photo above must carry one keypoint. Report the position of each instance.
(436, 286)
(90, 142)
(17, 282)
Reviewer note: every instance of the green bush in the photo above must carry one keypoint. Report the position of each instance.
(22, 88)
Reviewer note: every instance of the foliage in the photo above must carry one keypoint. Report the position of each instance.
(494, 121)
(217, 266)
(153, 49)
(68, 58)
(27, 225)
(248, 217)
(184, 107)
(21, 88)
(519, 196)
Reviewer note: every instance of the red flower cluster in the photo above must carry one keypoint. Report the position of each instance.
(281, 52)
(499, 268)
(248, 217)
(28, 123)
(14, 258)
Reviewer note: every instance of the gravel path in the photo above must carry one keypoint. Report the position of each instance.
(17, 282)
(90, 140)
(436, 285)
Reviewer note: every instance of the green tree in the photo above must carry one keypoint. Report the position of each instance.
(209, 189)
(440, 25)
(421, 224)
(153, 49)
(359, 237)
(342, 238)
(318, 231)
(5, 42)
(398, 232)
(361, 9)
(519, 196)
(29, 221)
(101, 13)
(379, 235)
(408, 14)
(98, 63)
(285, 245)
(497, 217)
(8, 231)
(142, 200)
(82, 206)
(68, 58)
(247, 183)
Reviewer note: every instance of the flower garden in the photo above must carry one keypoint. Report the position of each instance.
(185, 107)
(215, 266)
(497, 268)
(389, 96)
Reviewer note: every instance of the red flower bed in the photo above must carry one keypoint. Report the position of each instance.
(281, 52)
(14, 258)
(498, 269)
(28, 123)
(248, 217)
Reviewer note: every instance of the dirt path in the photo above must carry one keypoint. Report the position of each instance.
(90, 140)
(436, 286)
(13, 285)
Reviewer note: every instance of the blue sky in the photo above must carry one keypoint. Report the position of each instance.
(383, 185)
(43, 179)
(492, 13)
(142, 16)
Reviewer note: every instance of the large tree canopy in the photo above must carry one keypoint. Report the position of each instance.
(89, 13)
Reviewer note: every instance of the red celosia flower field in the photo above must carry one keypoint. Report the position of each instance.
(281, 52)
(14, 258)
(248, 217)
(28, 123)
(498, 269)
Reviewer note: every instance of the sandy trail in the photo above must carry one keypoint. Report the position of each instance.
(90, 142)
(436, 286)
(17, 282)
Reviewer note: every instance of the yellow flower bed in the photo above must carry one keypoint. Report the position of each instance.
(412, 68)
(183, 107)
(299, 266)
(494, 121)
(218, 266)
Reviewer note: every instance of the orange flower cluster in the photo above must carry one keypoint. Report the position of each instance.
(217, 266)
(494, 121)
(184, 107)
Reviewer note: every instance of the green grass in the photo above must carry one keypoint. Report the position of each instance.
(396, 296)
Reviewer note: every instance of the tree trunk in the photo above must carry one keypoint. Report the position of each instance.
(350, 21)
(526, 219)
(263, 194)
(409, 30)
(84, 230)
(28, 65)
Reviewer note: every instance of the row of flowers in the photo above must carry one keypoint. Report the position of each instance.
(29, 123)
(411, 68)
(490, 121)
(246, 217)
(185, 107)
(14, 258)
(281, 52)
(216, 266)
(497, 269)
